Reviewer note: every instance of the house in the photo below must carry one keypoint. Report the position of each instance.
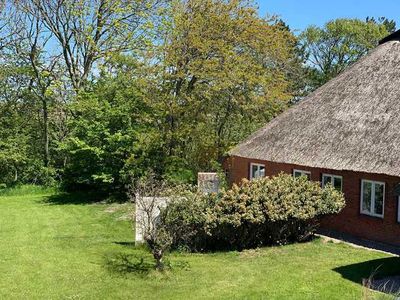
(346, 133)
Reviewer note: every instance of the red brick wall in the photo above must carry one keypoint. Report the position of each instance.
(349, 220)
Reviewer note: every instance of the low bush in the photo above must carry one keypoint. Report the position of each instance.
(275, 210)
(265, 211)
(185, 218)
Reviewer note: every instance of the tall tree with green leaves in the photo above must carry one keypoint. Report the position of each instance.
(389, 24)
(338, 44)
(21, 123)
(220, 72)
(114, 87)
(26, 49)
(55, 48)
(104, 133)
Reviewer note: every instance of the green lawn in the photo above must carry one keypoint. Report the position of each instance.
(58, 248)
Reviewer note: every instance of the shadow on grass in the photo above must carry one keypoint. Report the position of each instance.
(378, 268)
(126, 244)
(129, 264)
(138, 264)
(77, 198)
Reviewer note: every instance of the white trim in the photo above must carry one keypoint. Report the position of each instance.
(368, 213)
(398, 209)
(333, 178)
(251, 169)
(302, 173)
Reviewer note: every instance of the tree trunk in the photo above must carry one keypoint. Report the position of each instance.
(45, 133)
(15, 174)
(158, 255)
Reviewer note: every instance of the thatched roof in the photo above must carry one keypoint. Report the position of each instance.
(350, 123)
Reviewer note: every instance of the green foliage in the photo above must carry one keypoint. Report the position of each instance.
(166, 86)
(211, 86)
(389, 24)
(340, 43)
(222, 72)
(185, 219)
(265, 211)
(177, 171)
(273, 210)
(103, 136)
(21, 154)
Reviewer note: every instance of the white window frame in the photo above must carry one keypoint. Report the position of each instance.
(398, 209)
(368, 213)
(303, 173)
(258, 168)
(332, 181)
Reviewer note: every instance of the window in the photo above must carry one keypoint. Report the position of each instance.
(298, 173)
(257, 171)
(334, 180)
(372, 198)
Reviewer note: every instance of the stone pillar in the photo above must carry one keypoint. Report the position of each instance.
(208, 182)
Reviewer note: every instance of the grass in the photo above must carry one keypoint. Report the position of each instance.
(58, 247)
(27, 190)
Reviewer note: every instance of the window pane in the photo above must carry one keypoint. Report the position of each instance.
(257, 171)
(301, 173)
(326, 179)
(297, 174)
(337, 183)
(262, 171)
(378, 199)
(367, 193)
(254, 171)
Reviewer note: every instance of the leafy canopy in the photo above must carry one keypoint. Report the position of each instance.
(338, 44)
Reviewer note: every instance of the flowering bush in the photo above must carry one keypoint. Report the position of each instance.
(273, 210)
(264, 211)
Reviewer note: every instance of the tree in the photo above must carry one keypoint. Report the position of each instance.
(24, 52)
(21, 148)
(338, 44)
(44, 74)
(114, 88)
(149, 196)
(14, 141)
(104, 133)
(389, 24)
(220, 72)
(87, 31)
(53, 47)
(7, 18)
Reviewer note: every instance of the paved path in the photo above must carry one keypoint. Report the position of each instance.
(357, 242)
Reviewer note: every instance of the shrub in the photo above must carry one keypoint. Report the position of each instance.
(265, 211)
(273, 210)
(185, 218)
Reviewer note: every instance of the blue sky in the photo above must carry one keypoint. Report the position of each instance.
(301, 13)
